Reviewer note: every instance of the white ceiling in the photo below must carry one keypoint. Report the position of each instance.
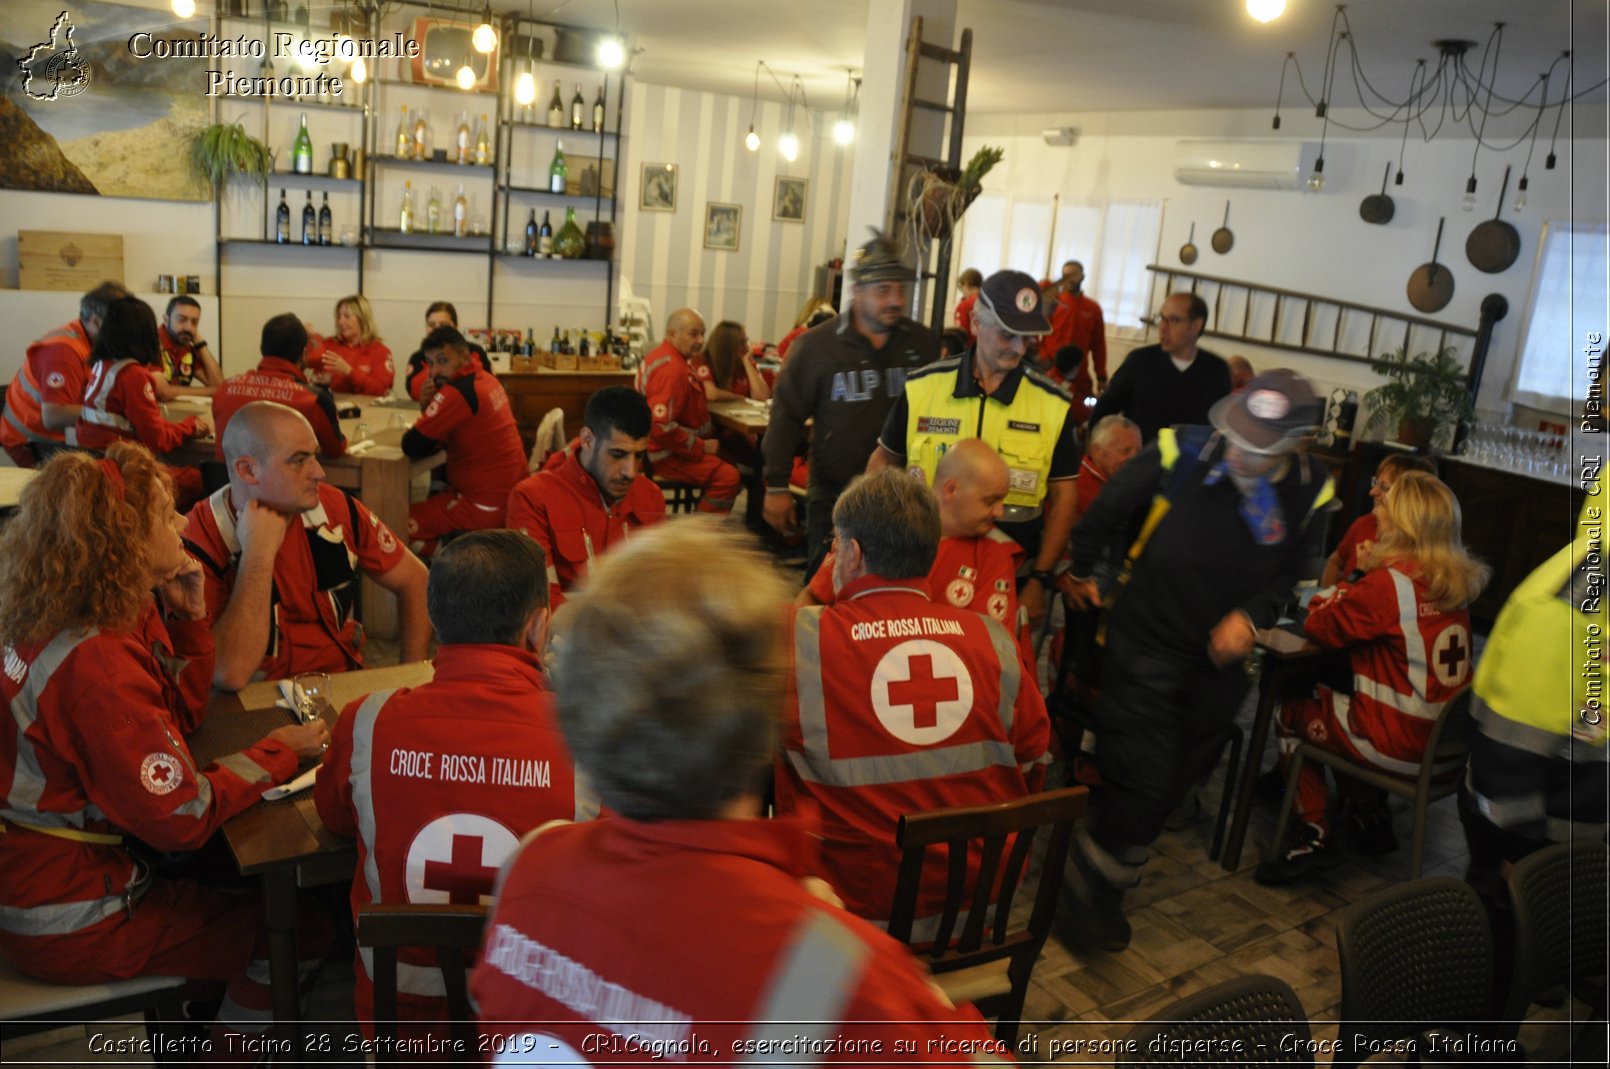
(1093, 55)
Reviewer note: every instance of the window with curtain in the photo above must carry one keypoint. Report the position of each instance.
(1570, 299)
(1120, 282)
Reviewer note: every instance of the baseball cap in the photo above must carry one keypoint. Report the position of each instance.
(879, 261)
(1272, 415)
(1015, 299)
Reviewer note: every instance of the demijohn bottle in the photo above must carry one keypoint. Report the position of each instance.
(326, 222)
(531, 234)
(558, 172)
(310, 222)
(545, 236)
(302, 150)
(569, 243)
(556, 107)
(282, 221)
(578, 105)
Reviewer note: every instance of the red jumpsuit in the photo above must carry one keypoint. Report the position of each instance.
(681, 415)
(1364, 529)
(561, 508)
(697, 938)
(471, 418)
(120, 405)
(280, 381)
(1409, 660)
(1076, 320)
(438, 783)
(315, 578)
(94, 750)
(53, 372)
(901, 704)
(964, 317)
(372, 372)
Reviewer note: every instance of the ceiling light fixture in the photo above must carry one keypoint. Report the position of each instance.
(485, 38)
(525, 86)
(788, 144)
(184, 8)
(1266, 10)
(752, 139)
(359, 71)
(844, 128)
(611, 54)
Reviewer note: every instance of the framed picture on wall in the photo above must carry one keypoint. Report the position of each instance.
(659, 188)
(788, 200)
(722, 223)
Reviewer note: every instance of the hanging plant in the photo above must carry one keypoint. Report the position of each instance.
(943, 194)
(225, 152)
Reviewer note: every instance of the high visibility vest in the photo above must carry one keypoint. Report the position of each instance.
(1024, 433)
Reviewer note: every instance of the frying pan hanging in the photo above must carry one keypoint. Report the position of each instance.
(1494, 245)
(1223, 239)
(1431, 285)
(1377, 208)
(1188, 250)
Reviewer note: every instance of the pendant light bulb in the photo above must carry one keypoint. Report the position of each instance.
(843, 132)
(752, 139)
(611, 54)
(525, 89)
(1266, 10)
(1468, 203)
(1316, 181)
(359, 71)
(788, 146)
(466, 77)
(1520, 195)
(485, 38)
(184, 8)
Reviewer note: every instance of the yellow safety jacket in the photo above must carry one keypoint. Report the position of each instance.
(1021, 422)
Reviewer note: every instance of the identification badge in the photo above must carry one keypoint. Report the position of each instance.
(1026, 481)
(1019, 425)
(938, 425)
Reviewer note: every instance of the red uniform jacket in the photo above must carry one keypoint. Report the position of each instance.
(1364, 529)
(94, 748)
(788, 340)
(677, 403)
(697, 938)
(419, 369)
(1409, 660)
(471, 418)
(438, 783)
(1076, 320)
(120, 404)
(371, 373)
(178, 360)
(964, 316)
(315, 578)
(562, 508)
(1088, 484)
(979, 574)
(53, 372)
(280, 381)
(924, 706)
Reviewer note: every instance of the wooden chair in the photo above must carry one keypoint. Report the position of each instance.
(990, 961)
(1559, 896)
(1259, 1015)
(680, 497)
(549, 439)
(454, 932)
(28, 1005)
(1448, 743)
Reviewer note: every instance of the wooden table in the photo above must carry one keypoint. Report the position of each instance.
(745, 416)
(12, 480)
(380, 476)
(1291, 666)
(284, 843)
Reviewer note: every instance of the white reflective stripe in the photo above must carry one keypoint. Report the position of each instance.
(25, 380)
(423, 980)
(26, 432)
(244, 767)
(808, 679)
(27, 778)
(1011, 671)
(102, 378)
(363, 797)
(1407, 704)
(1414, 643)
(904, 767)
(553, 575)
(224, 518)
(241, 1019)
(58, 918)
(1397, 766)
(808, 995)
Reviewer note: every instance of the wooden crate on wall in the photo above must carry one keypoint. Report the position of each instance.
(65, 260)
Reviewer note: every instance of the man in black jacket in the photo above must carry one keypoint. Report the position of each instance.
(1172, 382)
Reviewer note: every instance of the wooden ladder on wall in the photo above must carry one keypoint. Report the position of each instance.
(933, 265)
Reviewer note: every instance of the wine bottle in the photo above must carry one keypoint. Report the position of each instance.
(598, 111)
(531, 234)
(569, 243)
(578, 104)
(433, 213)
(545, 237)
(556, 346)
(326, 221)
(461, 213)
(310, 222)
(422, 135)
(483, 144)
(302, 150)
(406, 223)
(558, 172)
(405, 136)
(556, 107)
(463, 143)
(282, 221)
(530, 342)
(586, 344)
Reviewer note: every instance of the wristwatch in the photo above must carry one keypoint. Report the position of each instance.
(1044, 578)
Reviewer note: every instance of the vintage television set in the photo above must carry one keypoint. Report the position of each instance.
(444, 47)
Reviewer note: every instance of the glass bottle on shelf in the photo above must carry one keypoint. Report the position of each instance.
(326, 221)
(406, 222)
(433, 213)
(586, 344)
(405, 136)
(422, 135)
(531, 234)
(545, 237)
(598, 111)
(310, 222)
(282, 221)
(461, 213)
(464, 142)
(558, 172)
(302, 150)
(483, 144)
(530, 348)
(556, 345)
(556, 107)
(569, 244)
(578, 104)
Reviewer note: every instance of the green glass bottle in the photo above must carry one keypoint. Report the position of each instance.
(558, 171)
(302, 150)
(569, 244)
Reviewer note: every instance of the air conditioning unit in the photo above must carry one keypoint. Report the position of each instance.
(1244, 164)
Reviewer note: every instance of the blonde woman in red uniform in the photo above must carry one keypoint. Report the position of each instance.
(356, 360)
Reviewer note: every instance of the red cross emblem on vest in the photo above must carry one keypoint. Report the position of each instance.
(921, 692)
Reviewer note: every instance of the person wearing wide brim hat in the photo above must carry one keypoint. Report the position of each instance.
(844, 375)
(1241, 523)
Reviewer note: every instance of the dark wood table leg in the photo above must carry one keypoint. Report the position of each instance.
(1252, 760)
(279, 924)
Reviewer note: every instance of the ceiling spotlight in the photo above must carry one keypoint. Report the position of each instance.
(485, 38)
(184, 8)
(752, 140)
(611, 54)
(788, 146)
(1266, 10)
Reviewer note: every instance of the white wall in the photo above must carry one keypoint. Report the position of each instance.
(1308, 242)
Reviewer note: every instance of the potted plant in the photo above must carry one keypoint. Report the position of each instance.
(224, 152)
(945, 194)
(1423, 394)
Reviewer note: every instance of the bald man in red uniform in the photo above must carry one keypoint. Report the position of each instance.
(678, 447)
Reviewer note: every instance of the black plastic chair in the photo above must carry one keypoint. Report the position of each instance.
(1260, 1016)
(1561, 926)
(1414, 957)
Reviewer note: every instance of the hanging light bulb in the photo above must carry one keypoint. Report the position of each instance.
(1520, 195)
(359, 71)
(1469, 201)
(844, 128)
(485, 38)
(752, 139)
(843, 132)
(1266, 10)
(525, 89)
(466, 77)
(611, 54)
(184, 8)
(1316, 181)
(788, 146)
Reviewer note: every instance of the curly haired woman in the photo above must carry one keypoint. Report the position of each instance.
(103, 680)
